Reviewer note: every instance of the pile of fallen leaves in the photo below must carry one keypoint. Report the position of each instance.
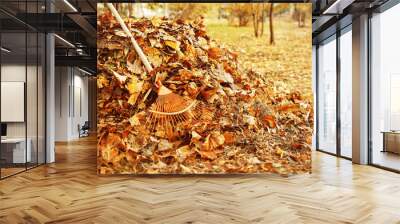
(255, 125)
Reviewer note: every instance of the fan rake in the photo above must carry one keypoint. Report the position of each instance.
(169, 109)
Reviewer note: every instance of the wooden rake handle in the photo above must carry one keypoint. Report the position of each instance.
(138, 50)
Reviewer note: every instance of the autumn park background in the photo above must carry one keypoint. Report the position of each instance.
(271, 38)
(247, 66)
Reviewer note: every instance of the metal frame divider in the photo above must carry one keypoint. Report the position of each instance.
(316, 97)
(369, 78)
(37, 91)
(26, 88)
(338, 76)
(0, 94)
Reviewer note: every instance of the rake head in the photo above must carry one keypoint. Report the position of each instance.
(170, 110)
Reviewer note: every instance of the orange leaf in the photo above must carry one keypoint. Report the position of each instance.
(125, 133)
(208, 154)
(214, 53)
(296, 145)
(229, 137)
(289, 107)
(209, 93)
(270, 121)
(228, 68)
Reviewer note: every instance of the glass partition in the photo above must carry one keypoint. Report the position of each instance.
(346, 93)
(327, 96)
(22, 88)
(13, 94)
(32, 98)
(41, 97)
(385, 89)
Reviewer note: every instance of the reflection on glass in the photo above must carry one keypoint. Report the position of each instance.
(22, 90)
(327, 96)
(31, 97)
(346, 94)
(41, 99)
(13, 84)
(386, 89)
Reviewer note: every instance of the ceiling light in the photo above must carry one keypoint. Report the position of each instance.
(5, 50)
(65, 41)
(337, 7)
(70, 5)
(84, 71)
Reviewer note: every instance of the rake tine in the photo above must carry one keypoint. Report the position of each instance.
(149, 120)
(152, 122)
(175, 122)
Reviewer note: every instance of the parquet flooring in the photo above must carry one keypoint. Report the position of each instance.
(69, 191)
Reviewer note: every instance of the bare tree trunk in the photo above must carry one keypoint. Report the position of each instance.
(118, 6)
(262, 18)
(255, 24)
(254, 14)
(302, 19)
(298, 20)
(299, 24)
(258, 19)
(271, 26)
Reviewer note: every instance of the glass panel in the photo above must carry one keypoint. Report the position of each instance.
(327, 96)
(32, 88)
(41, 86)
(346, 94)
(13, 87)
(386, 89)
(314, 83)
(22, 88)
(41, 99)
(31, 98)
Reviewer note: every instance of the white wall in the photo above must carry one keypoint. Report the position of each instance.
(71, 102)
(9, 73)
(15, 72)
(80, 110)
(61, 103)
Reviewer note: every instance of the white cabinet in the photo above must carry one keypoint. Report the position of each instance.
(17, 148)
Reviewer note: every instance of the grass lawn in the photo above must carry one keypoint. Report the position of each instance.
(287, 62)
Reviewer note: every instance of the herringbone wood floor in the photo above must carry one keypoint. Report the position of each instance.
(69, 191)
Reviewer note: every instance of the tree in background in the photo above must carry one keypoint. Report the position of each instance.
(271, 24)
(158, 6)
(130, 10)
(301, 12)
(258, 15)
(240, 11)
(282, 8)
(183, 11)
(187, 11)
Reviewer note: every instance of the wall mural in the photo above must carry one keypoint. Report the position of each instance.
(204, 88)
